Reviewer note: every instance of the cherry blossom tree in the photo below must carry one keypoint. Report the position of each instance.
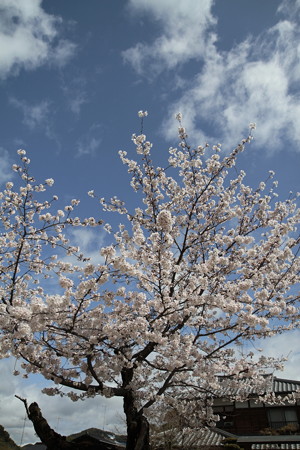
(203, 264)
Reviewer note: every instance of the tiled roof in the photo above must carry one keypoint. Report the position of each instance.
(270, 384)
(206, 437)
(281, 385)
(189, 438)
(290, 442)
(280, 439)
(285, 446)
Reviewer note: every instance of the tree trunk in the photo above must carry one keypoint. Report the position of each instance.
(137, 430)
(55, 441)
(47, 435)
(137, 426)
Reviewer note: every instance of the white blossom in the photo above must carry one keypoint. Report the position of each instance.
(201, 265)
(65, 282)
(143, 113)
(164, 220)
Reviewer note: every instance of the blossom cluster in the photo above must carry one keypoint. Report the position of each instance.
(204, 263)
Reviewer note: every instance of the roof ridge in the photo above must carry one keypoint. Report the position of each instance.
(286, 379)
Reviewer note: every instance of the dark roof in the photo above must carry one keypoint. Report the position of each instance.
(289, 438)
(106, 437)
(37, 446)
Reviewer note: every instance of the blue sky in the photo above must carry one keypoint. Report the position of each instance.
(73, 75)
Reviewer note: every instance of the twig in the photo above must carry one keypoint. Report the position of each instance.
(25, 403)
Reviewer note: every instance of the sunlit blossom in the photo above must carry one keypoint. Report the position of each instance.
(49, 181)
(200, 264)
(143, 113)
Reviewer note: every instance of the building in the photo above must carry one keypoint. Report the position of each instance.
(252, 417)
(251, 424)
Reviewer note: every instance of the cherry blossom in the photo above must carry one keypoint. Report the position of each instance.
(204, 263)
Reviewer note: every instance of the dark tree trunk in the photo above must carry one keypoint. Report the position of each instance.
(137, 430)
(137, 426)
(55, 441)
(47, 435)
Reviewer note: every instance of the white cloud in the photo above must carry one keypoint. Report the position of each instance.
(284, 345)
(76, 102)
(37, 116)
(253, 82)
(184, 35)
(5, 166)
(257, 80)
(63, 51)
(75, 91)
(30, 37)
(90, 241)
(33, 115)
(88, 146)
(90, 142)
(290, 7)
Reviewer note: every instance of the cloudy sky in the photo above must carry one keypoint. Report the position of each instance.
(73, 75)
